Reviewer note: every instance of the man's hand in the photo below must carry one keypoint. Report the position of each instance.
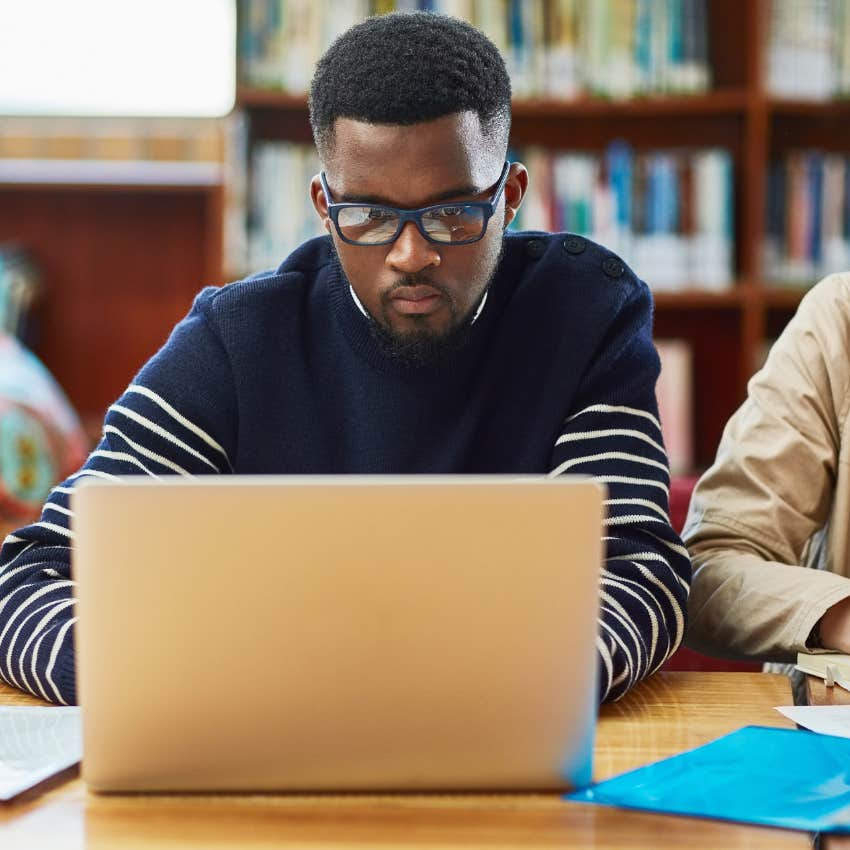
(835, 627)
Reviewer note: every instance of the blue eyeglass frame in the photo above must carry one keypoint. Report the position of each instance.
(489, 207)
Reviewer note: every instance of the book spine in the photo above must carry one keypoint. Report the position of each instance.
(491, 16)
(562, 75)
(674, 393)
(835, 257)
(517, 55)
(675, 54)
(619, 167)
(643, 45)
(814, 180)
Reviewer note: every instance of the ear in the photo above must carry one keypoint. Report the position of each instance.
(515, 189)
(320, 202)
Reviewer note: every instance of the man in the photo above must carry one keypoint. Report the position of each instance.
(777, 500)
(415, 338)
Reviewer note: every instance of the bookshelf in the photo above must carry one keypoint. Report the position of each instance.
(84, 222)
(727, 330)
(123, 246)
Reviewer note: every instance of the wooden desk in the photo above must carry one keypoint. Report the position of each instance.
(817, 693)
(669, 713)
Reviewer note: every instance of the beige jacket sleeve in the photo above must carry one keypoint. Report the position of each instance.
(779, 485)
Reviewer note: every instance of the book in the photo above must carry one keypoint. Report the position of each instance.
(710, 203)
(804, 49)
(674, 393)
(278, 222)
(557, 48)
(562, 63)
(816, 664)
(808, 217)
(668, 214)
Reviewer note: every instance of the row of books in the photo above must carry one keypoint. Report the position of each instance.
(553, 48)
(280, 212)
(808, 53)
(669, 214)
(808, 217)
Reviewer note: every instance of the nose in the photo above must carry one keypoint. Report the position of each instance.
(411, 252)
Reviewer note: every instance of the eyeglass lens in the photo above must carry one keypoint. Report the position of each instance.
(369, 225)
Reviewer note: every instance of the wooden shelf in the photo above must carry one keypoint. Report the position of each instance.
(768, 296)
(122, 248)
(701, 299)
(712, 103)
(782, 298)
(270, 99)
(110, 175)
(728, 101)
(809, 108)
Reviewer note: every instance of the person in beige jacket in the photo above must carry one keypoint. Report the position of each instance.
(769, 523)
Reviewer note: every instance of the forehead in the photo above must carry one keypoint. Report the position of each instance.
(409, 163)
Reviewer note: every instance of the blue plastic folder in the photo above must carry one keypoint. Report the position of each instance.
(771, 777)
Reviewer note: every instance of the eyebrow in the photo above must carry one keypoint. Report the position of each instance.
(451, 194)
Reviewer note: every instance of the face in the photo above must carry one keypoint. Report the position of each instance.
(419, 293)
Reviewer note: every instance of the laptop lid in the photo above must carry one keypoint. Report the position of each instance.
(337, 633)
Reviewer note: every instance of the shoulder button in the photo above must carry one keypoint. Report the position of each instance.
(535, 248)
(574, 244)
(613, 267)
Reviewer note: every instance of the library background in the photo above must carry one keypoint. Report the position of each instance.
(705, 141)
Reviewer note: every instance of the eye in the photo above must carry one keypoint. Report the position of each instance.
(378, 214)
(448, 212)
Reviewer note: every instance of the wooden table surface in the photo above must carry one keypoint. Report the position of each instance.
(818, 693)
(665, 715)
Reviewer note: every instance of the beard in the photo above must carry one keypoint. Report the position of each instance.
(422, 346)
(426, 346)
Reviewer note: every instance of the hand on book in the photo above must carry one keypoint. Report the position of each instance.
(835, 627)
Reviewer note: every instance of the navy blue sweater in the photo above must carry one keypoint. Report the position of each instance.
(280, 373)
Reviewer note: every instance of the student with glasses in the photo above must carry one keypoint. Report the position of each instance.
(417, 336)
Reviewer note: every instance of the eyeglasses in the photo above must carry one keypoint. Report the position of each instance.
(446, 224)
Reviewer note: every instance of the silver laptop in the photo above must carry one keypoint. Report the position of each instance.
(337, 633)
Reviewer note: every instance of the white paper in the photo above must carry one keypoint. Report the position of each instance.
(825, 719)
(35, 744)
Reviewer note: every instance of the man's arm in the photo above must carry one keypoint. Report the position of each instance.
(615, 437)
(175, 419)
(757, 512)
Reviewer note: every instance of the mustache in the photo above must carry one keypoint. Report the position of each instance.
(417, 280)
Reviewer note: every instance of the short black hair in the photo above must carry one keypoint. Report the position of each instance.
(409, 67)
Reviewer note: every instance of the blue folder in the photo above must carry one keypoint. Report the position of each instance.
(771, 777)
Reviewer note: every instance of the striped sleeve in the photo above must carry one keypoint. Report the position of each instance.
(145, 433)
(614, 436)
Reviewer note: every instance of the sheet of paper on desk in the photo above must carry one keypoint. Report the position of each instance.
(825, 719)
(35, 744)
